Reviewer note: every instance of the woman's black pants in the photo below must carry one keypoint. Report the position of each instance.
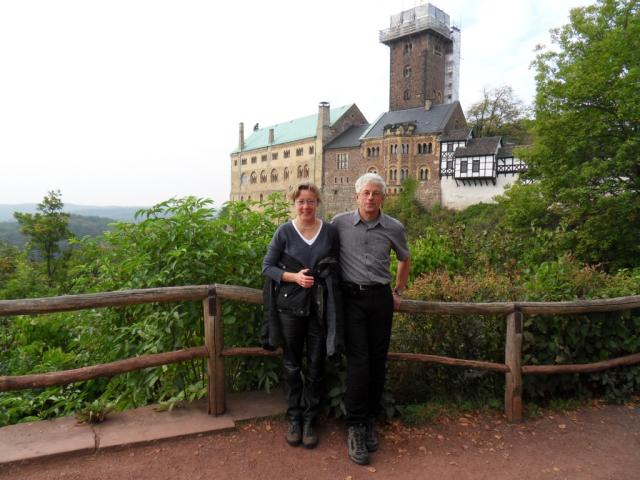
(303, 395)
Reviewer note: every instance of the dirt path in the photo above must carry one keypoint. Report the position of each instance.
(595, 442)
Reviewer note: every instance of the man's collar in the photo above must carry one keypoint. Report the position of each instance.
(381, 219)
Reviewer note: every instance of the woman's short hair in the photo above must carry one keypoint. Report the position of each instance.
(371, 178)
(305, 186)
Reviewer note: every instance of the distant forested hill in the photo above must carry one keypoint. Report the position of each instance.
(80, 225)
(125, 214)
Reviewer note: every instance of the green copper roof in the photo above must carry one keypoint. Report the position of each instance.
(290, 131)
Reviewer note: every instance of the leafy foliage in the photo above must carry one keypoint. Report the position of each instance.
(585, 160)
(500, 112)
(45, 230)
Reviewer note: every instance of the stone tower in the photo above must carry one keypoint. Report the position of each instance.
(425, 58)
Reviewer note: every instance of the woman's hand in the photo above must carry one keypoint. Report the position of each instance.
(305, 281)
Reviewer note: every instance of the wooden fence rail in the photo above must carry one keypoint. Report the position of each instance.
(215, 352)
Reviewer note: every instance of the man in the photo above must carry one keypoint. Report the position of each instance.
(367, 237)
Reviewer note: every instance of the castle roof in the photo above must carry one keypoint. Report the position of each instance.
(458, 135)
(433, 120)
(349, 138)
(291, 131)
(479, 146)
(505, 151)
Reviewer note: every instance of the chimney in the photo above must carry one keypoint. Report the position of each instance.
(271, 136)
(241, 137)
(427, 104)
(322, 130)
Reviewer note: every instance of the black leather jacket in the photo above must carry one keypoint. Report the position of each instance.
(324, 298)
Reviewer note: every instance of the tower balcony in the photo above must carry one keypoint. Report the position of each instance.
(416, 25)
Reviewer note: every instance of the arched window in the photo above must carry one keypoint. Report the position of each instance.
(285, 174)
(263, 177)
(368, 151)
(407, 71)
(305, 173)
(406, 95)
(274, 175)
(254, 178)
(299, 171)
(423, 174)
(430, 148)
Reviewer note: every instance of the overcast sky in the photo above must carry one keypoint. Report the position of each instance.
(133, 102)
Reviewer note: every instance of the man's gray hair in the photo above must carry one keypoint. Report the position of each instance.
(371, 178)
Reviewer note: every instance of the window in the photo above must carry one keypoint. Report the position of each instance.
(263, 158)
(475, 165)
(404, 173)
(261, 197)
(235, 162)
(393, 149)
(311, 149)
(299, 171)
(407, 48)
(406, 95)
(407, 71)
(263, 177)
(368, 151)
(449, 164)
(274, 156)
(449, 147)
(430, 148)
(424, 174)
(274, 175)
(305, 171)
(254, 177)
(463, 166)
(405, 148)
(244, 178)
(299, 151)
(287, 153)
(244, 161)
(285, 174)
(437, 48)
(343, 161)
(254, 159)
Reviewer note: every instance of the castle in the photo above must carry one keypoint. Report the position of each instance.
(423, 136)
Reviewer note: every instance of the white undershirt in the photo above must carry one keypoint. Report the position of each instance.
(307, 241)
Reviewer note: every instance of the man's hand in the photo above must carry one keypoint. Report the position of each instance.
(397, 298)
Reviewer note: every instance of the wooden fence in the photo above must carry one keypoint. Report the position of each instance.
(214, 350)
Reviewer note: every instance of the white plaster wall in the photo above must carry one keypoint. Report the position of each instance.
(463, 196)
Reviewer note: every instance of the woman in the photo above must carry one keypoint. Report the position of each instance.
(302, 304)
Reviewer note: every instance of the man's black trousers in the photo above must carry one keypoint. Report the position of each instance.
(367, 324)
(303, 397)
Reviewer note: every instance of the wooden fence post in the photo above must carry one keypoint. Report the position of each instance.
(214, 342)
(513, 360)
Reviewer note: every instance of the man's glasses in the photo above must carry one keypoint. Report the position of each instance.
(368, 193)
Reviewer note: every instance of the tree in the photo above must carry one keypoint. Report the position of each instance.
(500, 112)
(586, 158)
(45, 230)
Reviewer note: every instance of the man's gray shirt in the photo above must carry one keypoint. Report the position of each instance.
(365, 247)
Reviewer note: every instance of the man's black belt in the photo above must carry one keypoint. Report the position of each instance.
(364, 288)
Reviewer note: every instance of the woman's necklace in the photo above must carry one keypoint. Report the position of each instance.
(303, 227)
